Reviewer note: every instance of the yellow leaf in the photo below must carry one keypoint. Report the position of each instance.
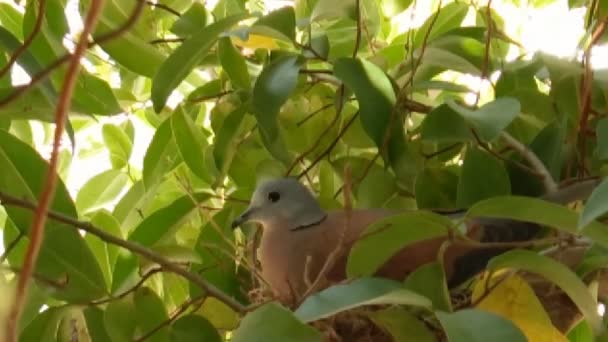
(515, 300)
(256, 41)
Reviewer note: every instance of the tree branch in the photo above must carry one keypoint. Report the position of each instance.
(133, 247)
(48, 192)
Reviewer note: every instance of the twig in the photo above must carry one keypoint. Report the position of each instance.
(28, 41)
(182, 308)
(166, 40)
(358, 34)
(532, 158)
(133, 247)
(42, 75)
(313, 113)
(211, 97)
(11, 246)
(331, 146)
(163, 7)
(37, 228)
(132, 289)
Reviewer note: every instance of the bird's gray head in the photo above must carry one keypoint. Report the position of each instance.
(285, 199)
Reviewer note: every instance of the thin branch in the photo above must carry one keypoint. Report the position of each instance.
(182, 308)
(42, 75)
(163, 7)
(11, 246)
(132, 289)
(331, 146)
(313, 113)
(211, 97)
(48, 192)
(166, 40)
(28, 41)
(486, 55)
(538, 166)
(134, 248)
(358, 34)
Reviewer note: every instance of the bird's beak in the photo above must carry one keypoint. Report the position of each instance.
(244, 217)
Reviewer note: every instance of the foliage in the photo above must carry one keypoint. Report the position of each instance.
(222, 96)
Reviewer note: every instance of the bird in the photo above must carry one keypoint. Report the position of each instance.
(298, 237)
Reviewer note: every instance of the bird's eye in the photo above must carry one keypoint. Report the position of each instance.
(274, 196)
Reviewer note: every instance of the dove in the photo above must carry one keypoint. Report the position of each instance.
(298, 237)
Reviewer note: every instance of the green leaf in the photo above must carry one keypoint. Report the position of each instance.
(92, 95)
(190, 143)
(557, 273)
(436, 189)
(376, 98)
(119, 144)
(449, 17)
(105, 253)
(285, 326)
(190, 22)
(402, 325)
(360, 292)
(12, 20)
(63, 254)
(491, 118)
(271, 90)
(44, 327)
(166, 221)
(120, 319)
(226, 139)
(95, 325)
(392, 7)
(233, 63)
(473, 325)
(162, 155)
(538, 211)
(429, 280)
(482, 176)
(596, 206)
(602, 139)
(100, 190)
(181, 62)
(385, 237)
(150, 312)
(280, 22)
(194, 328)
(444, 125)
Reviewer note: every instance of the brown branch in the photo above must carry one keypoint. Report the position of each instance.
(136, 248)
(358, 34)
(331, 146)
(163, 7)
(166, 40)
(132, 289)
(316, 71)
(182, 308)
(11, 246)
(42, 75)
(48, 191)
(28, 41)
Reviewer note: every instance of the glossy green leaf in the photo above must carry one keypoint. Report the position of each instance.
(285, 326)
(385, 237)
(402, 325)
(100, 190)
(482, 176)
(443, 124)
(119, 144)
(120, 319)
(429, 280)
(392, 7)
(190, 22)
(226, 141)
(281, 23)
(92, 95)
(194, 328)
(190, 143)
(555, 272)
(596, 206)
(473, 325)
(44, 327)
(166, 221)
(105, 253)
(162, 155)
(233, 64)
(64, 253)
(376, 99)
(541, 212)
(449, 17)
(150, 312)
(491, 118)
(602, 139)
(272, 88)
(179, 64)
(360, 292)
(12, 20)
(95, 324)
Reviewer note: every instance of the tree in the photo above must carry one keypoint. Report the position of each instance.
(223, 95)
